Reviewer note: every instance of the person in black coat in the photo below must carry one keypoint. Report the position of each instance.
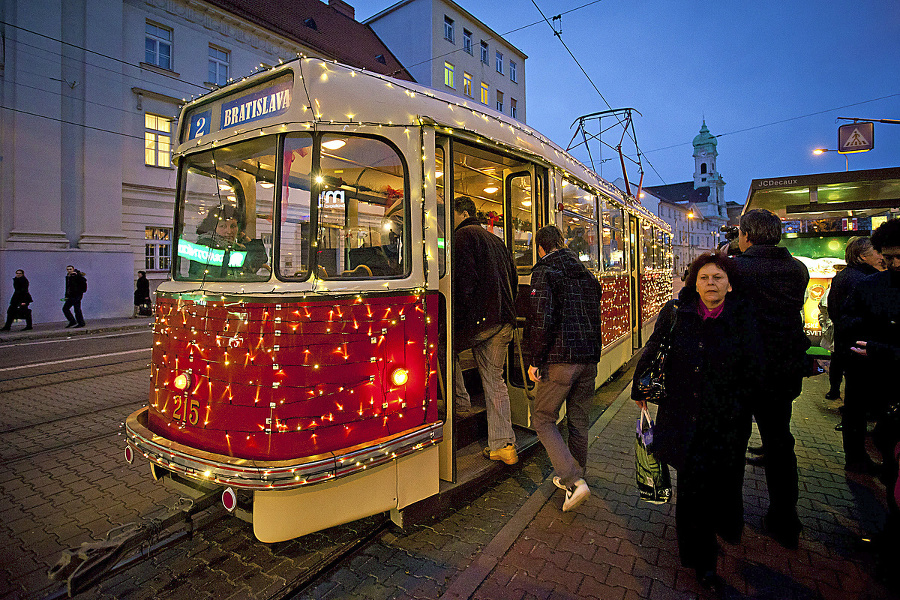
(774, 283)
(712, 373)
(872, 321)
(564, 341)
(862, 260)
(76, 286)
(484, 317)
(18, 304)
(141, 292)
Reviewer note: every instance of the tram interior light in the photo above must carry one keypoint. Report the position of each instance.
(334, 144)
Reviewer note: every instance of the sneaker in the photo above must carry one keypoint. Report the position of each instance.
(79, 325)
(71, 325)
(507, 454)
(576, 495)
(558, 482)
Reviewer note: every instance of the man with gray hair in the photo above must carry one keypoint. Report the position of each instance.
(775, 284)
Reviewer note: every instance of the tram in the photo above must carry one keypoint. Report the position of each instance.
(300, 345)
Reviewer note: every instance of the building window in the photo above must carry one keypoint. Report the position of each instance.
(218, 66)
(703, 168)
(157, 140)
(448, 74)
(467, 41)
(484, 52)
(157, 248)
(158, 46)
(500, 63)
(448, 29)
(513, 74)
(499, 101)
(513, 108)
(485, 93)
(467, 84)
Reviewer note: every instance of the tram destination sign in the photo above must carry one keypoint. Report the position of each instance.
(263, 101)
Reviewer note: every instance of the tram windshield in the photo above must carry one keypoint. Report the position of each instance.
(226, 207)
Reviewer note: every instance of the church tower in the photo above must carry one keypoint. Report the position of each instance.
(706, 175)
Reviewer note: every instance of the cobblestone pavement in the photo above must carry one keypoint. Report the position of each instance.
(510, 540)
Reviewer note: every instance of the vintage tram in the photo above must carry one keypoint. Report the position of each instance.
(299, 354)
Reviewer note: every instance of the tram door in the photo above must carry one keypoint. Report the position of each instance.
(634, 282)
(501, 187)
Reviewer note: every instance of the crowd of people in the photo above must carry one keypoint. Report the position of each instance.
(736, 353)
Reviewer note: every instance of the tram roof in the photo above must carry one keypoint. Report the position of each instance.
(349, 97)
(853, 193)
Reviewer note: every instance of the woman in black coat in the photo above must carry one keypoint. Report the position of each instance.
(702, 427)
(18, 304)
(141, 292)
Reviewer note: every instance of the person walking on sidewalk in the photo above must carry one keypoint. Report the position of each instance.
(712, 373)
(775, 282)
(76, 286)
(563, 343)
(483, 283)
(141, 293)
(18, 304)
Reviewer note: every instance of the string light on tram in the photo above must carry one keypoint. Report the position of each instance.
(182, 381)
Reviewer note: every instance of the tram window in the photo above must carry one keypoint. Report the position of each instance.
(293, 256)
(613, 236)
(441, 209)
(579, 219)
(225, 212)
(647, 245)
(522, 205)
(362, 224)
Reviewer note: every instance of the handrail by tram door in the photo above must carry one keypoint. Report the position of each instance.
(634, 270)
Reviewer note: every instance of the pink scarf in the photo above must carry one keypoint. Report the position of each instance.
(710, 313)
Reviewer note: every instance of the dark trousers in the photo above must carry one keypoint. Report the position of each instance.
(76, 304)
(16, 312)
(836, 370)
(773, 418)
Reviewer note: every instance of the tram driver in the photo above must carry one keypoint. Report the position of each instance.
(239, 257)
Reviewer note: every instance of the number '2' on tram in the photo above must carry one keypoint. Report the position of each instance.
(300, 346)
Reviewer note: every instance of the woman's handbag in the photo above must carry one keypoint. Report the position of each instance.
(652, 476)
(145, 310)
(651, 384)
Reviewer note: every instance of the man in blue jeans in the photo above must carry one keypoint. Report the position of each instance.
(484, 278)
(564, 343)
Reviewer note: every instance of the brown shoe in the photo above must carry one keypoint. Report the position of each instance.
(507, 454)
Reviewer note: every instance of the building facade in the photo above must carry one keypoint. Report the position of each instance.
(91, 92)
(448, 49)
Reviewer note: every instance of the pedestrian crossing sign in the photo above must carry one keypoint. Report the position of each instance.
(856, 137)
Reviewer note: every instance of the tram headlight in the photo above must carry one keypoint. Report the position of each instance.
(182, 381)
(400, 376)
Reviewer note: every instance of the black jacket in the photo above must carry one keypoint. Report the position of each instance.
(774, 283)
(712, 373)
(20, 293)
(872, 315)
(76, 285)
(564, 321)
(484, 278)
(142, 291)
(841, 286)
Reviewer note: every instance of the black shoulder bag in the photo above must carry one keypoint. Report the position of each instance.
(650, 386)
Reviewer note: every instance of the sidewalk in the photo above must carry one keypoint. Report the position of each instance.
(59, 329)
(616, 547)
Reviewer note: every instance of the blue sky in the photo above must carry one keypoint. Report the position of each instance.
(770, 77)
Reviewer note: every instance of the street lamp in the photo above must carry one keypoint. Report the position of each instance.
(818, 151)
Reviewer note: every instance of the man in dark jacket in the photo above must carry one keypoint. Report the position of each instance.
(483, 320)
(873, 323)
(861, 259)
(564, 343)
(18, 304)
(76, 286)
(775, 283)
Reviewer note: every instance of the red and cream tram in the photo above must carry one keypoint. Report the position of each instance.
(299, 345)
